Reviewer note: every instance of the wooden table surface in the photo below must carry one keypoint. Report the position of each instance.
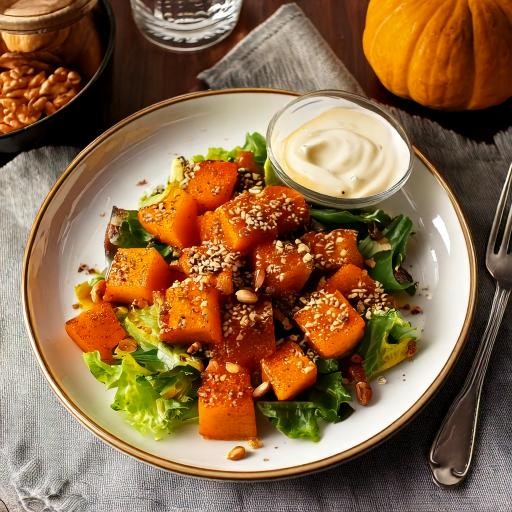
(144, 74)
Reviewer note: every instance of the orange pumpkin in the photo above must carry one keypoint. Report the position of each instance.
(444, 54)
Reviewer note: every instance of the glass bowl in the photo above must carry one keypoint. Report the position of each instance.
(309, 106)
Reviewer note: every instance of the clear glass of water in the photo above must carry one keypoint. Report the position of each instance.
(185, 25)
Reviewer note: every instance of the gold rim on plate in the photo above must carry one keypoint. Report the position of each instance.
(185, 469)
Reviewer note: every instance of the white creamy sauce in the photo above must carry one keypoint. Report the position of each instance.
(349, 153)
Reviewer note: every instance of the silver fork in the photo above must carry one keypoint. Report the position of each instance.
(452, 449)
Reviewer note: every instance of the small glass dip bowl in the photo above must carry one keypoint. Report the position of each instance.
(309, 106)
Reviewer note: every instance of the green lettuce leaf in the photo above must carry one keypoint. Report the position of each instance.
(108, 374)
(332, 217)
(388, 253)
(386, 341)
(142, 325)
(126, 231)
(257, 144)
(153, 398)
(254, 142)
(299, 419)
(270, 175)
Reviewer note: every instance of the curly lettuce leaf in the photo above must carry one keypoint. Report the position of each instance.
(388, 340)
(254, 142)
(326, 400)
(143, 326)
(108, 374)
(388, 253)
(152, 397)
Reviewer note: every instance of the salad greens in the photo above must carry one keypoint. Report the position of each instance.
(330, 216)
(126, 231)
(388, 253)
(254, 142)
(326, 400)
(387, 341)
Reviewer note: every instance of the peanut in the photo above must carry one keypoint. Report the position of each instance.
(237, 453)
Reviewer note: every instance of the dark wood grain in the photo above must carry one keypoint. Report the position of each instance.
(144, 74)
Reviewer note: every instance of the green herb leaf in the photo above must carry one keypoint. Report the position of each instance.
(333, 217)
(386, 341)
(388, 252)
(299, 419)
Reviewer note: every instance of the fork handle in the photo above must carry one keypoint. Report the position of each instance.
(452, 449)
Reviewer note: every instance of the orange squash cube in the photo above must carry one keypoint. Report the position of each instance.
(191, 312)
(288, 370)
(135, 274)
(97, 329)
(248, 331)
(212, 183)
(332, 326)
(333, 249)
(224, 282)
(209, 258)
(209, 227)
(286, 266)
(173, 221)
(290, 205)
(226, 405)
(359, 288)
(246, 221)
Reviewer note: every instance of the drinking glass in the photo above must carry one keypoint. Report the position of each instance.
(185, 25)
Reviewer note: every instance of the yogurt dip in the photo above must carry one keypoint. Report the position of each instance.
(345, 152)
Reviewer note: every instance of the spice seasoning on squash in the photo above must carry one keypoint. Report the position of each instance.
(173, 221)
(247, 221)
(290, 206)
(287, 266)
(135, 274)
(333, 249)
(288, 370)
(209, 227)
(331, 325)
(360, 289)
(209, 258)
(226, 406)
(97, 329)
(191, 312)
(212, 183)
(248, 333)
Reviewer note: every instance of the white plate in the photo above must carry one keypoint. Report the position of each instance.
(69, 231)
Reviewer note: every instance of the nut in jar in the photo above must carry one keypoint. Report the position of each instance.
(31, 86)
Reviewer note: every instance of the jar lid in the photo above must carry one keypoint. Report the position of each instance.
(32, 16)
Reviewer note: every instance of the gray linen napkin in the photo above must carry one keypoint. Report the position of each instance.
(48, 462)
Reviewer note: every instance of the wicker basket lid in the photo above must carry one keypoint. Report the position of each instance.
(34, 16)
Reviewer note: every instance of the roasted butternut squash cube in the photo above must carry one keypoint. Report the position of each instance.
(224, 282)
(288, 370)
(209, 227)
(191, 312)
(290, 205)
(135, 274)
(248, 331)
(331, 325)
(226, 406)
(247, 221)
(333, 249)
(96, 329)
(209, 258)
(285, 265)
(359, 288)
(173, 221)
(212, 183)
